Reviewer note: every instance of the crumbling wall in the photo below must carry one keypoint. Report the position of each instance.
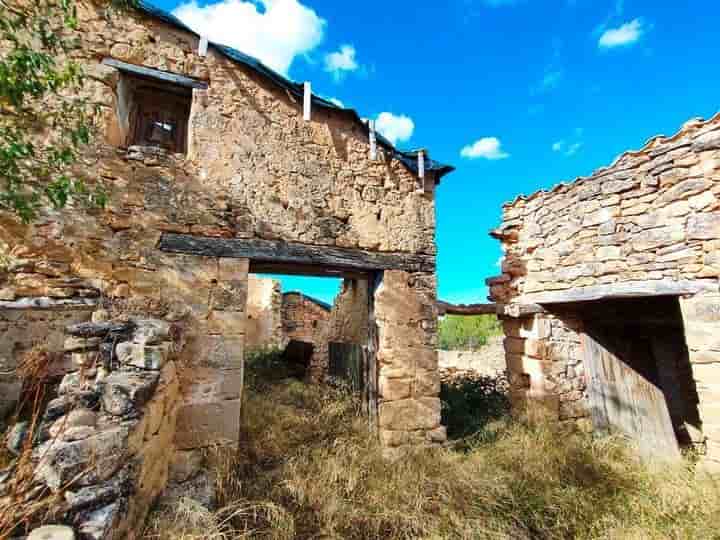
(545, 366)
(103, 441)
(349, 320)
(22, 329)
(647, 225)
(264, 314)
(488, 360)
(307, 319)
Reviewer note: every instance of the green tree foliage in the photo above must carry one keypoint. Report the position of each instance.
(467, 332)
(43, 122)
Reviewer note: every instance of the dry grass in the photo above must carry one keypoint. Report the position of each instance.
(308, 469)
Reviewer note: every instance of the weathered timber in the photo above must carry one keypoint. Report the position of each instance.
(164, 76)
(445, 308)
(267, 252)
(630, 289)
(623, 401)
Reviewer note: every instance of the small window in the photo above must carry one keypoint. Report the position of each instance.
(161, 119)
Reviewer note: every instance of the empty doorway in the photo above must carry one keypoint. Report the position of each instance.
(640, 381)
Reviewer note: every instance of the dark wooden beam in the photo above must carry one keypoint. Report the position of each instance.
(263, 254)
(156, 74)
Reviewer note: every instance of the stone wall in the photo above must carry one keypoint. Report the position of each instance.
(488, 360)
(647, 225)
(103, 443)
(409, 382)
(264, 314)
(23, 329)
(349, 320)
(307, 319)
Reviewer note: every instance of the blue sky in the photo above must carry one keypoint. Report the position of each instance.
(518, 94)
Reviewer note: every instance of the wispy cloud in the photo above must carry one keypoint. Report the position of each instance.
(395, 128)
(624, 35)
(570, 147)
(275, 32)
(341, 62)
(485, 148)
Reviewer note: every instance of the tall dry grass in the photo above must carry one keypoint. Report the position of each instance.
(307, 468)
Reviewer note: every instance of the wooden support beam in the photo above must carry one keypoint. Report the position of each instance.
(630, 289)
(164, 76)
(266, 253)
(307, 102)
(445, 308)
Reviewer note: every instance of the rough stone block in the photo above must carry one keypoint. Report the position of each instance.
(395, 389)
(150, 357)
(410, 414)
(52, 532)
(226, 323)
(124, 393)
(88, 461)
(215, 351)
(206, 424)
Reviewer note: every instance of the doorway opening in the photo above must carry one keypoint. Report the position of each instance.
(640, 377)
(317, 325)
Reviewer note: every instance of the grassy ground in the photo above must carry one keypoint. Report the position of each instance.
(307, 468)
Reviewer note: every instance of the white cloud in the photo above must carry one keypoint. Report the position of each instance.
(627, 34)
(341, 62)
(573, 149)
(485, 148)
(337, 102)
(275, 31)
(569, 148)
(395, 128)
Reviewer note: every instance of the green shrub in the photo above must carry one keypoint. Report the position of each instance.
(467, 332)
(471, 403)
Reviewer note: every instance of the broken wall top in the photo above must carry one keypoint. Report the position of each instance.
(652, 216)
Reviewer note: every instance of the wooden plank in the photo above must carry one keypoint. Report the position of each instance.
(293, 269)
(289, 253)
(156, 74)
(519, 311)
(630, 289)
(445, 308)
(623, 401)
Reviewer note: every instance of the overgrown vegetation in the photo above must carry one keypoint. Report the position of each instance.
(44, 121)
(308, 468)
(470, 405)
(459, 332)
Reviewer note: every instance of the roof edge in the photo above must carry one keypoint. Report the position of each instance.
(407, 158)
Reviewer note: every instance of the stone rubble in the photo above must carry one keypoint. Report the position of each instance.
(104, 441)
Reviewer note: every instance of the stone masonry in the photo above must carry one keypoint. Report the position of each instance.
(264, 304)
(647, 225)
(253, 169)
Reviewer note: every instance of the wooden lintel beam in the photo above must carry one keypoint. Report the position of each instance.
(257, 267)
(445, 308)
(164, 76)
(265, 253)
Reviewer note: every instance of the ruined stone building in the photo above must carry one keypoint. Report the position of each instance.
(610, 295)
(215, 167)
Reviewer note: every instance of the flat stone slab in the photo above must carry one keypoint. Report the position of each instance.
(52, 532)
